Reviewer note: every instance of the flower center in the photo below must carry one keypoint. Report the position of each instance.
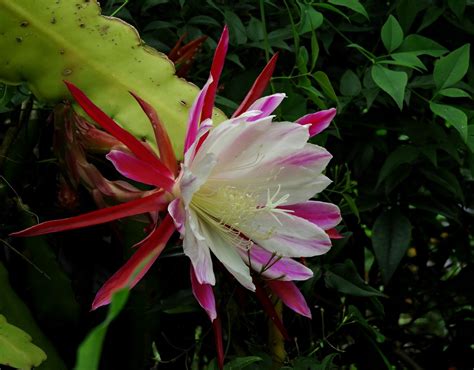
(234, 213)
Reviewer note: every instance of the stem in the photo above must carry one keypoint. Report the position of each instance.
(276, 340)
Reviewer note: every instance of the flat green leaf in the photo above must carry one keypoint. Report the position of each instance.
(241, 362)
(453, 116)
(310, 19)
(401, 155)
(420, 45)
(88, 354)
(392, 82)
(391, 236)
(453, 92)
(392, 34)
(451, 68)
(16, 349)
(409, 59)
(323, 81)
(350, 84)
(344, 278)
(354, 5)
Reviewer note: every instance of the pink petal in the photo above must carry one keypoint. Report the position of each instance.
(138, 265)
(266, 105)
(150, 203)
(137, 148)
(195, 116)
(273, 267)
(310, 156)
(204, 295)
(138, 170)
(319, 121)
(258, 87)
(176, 210)
(161, 135)
(290, 296)
(324, 215)
(216, 70)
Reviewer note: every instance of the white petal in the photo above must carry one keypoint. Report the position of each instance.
(196, 248)
(229, 257)
(193, 179)
(287, 235)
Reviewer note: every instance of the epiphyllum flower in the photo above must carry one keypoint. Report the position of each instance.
(242, 193)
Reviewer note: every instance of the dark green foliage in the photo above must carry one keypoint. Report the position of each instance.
(396, 293)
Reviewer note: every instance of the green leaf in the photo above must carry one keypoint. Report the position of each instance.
(401, 155)
(310, 19)
(88, 354)
(237, 32)
(457, 7)
(241, 362)
(451, 68)
(430, 16)
(392, 34)
(344, 278)
(350, 84)
(420, 45)
(352, 205)
(19, 315)
(392, 82)
(453, 92)
(453, 116)
(391, 236)
(354, 5)
(323, 81)
(409, 59)
(16, 349)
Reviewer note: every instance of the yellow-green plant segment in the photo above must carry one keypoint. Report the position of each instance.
(16, 348)
(45, 42)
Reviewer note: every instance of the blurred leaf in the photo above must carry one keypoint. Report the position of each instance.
(392, 82)
(16, 349)
(392, 34)
(401, 155)
(451, 68)
(237, 32)
(453, 116)
(391, 235)
(204, 20)
(344, 278)
(430, 16)
(350, 84)
(18, 315)
(88, 354)
(354, 5)
(457, 6)
(241, 362)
